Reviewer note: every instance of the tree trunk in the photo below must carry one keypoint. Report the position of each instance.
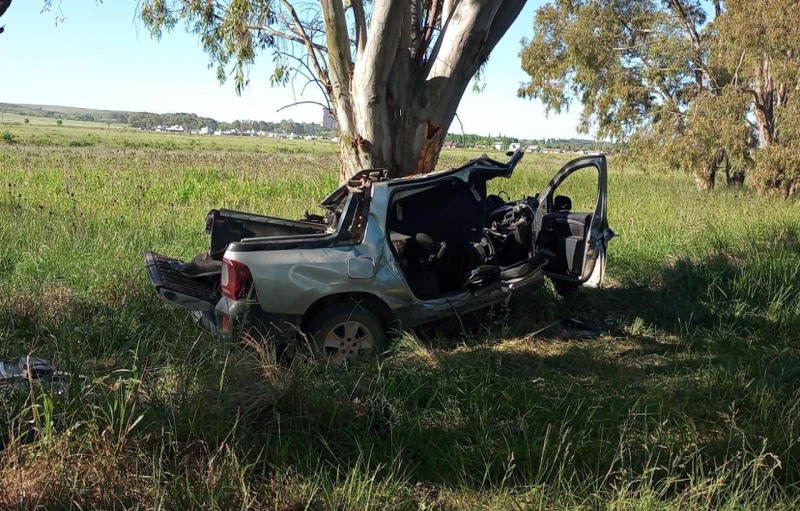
(706, 178)
(733, 179)
(394, 110)
(764, 97)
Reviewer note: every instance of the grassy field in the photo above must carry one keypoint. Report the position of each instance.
(689, 400)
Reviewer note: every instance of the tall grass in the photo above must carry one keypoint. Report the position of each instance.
(688, 400)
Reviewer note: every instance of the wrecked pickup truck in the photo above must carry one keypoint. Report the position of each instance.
(390, 254)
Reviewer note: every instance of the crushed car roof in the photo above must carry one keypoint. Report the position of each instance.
(482, 167)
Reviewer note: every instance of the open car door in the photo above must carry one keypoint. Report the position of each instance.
(574, 242)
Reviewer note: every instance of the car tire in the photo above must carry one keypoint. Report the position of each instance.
(565, 289)
(344, 332)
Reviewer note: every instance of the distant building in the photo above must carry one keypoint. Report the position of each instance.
(513, 146)
(328, 122)
(205, 130)
(498, 146)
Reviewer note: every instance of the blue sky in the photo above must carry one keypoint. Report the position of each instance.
(102, 57)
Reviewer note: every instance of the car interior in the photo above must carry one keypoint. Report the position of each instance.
(451, 235)
(563, 237)
(564, 234)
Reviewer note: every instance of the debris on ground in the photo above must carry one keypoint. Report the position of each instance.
(28, 370)
(577, 329)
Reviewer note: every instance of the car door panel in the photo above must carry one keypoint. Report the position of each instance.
(565, 235)
(574, 243)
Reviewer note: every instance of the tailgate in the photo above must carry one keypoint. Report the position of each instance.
(185, 284)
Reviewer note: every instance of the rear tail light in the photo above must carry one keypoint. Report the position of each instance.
(237, 281)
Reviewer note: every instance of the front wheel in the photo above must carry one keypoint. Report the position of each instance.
(344, 332)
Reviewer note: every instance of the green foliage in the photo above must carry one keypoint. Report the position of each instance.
(778, 169)
(147, 120)
(27, 121)
(626, 62)
(231, 33)
(763, 40)
(711, 136)
(701, 93)
(750, 30)
(59, 122)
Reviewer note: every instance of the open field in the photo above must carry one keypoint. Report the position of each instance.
(690, 400)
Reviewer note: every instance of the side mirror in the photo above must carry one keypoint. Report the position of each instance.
(562, 203)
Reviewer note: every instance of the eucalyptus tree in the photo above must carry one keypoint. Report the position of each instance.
(637, 67)
(699, 85)
(392, 72)
(759, 42)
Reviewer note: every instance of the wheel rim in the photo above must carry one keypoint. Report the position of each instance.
(347, 341)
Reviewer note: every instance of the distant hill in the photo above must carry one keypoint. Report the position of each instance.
(67, 112)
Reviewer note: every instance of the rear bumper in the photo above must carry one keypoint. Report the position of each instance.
(199, 293)
(231, 317)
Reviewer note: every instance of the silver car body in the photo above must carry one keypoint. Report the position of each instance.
(301, 265)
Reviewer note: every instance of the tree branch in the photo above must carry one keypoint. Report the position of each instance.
(427, 31)
(677, 8)
(303, 103)
(310, 46)
(361, 25)
(295, 37)
(631, 47)
(448, 6)
(320, 82)
(340, 62)
(379, 52)
(694, 36)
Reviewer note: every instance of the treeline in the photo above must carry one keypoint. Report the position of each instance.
(147, 120)
(472, 140)
(487, 141)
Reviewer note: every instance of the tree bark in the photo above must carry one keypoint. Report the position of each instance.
(764, 97)
(706, 179)
(733, 179)
(394, 111)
